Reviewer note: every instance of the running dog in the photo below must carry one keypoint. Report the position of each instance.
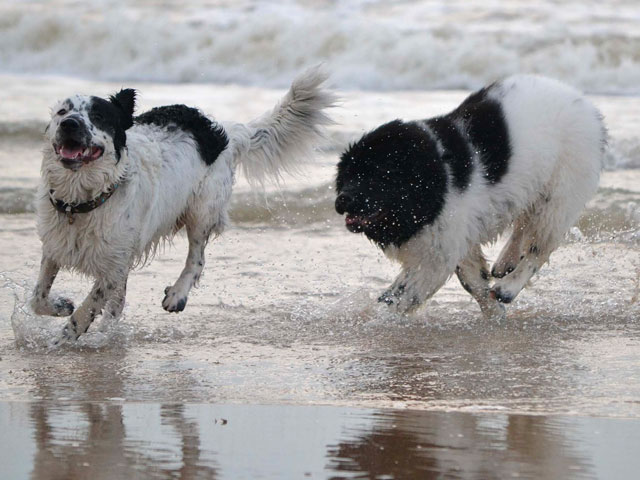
(524, 152)
(114, 186)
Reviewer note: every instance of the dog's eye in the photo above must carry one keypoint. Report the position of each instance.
(61, 112)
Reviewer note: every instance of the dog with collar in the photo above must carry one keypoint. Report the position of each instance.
(525, 152)
(114, 186)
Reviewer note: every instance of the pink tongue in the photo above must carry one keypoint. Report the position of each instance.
(71, 153)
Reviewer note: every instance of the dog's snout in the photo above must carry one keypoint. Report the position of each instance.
(70, 125)
(342, 203)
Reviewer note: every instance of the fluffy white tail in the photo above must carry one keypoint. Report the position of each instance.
(279, 139)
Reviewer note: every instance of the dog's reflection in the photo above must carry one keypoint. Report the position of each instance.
(426, 445)
(109, 440)
(91, 441)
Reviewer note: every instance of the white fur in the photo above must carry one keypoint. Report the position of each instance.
(557, 141)
(164, 185)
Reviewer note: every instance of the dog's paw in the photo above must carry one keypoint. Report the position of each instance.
(69, 334)
(501, 295)
(399, 301)
(173, 300)
(388, 298)
(393, 294)
(500, 271)
(63, 307)
(58, 307)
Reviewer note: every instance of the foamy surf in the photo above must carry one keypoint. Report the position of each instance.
(371, 45)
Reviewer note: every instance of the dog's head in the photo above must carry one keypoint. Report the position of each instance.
(391, 183)
(85, 130)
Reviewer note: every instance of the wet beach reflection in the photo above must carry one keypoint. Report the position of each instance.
(105, 440)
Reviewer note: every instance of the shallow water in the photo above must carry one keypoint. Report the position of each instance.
(201, 441)
(286, 316)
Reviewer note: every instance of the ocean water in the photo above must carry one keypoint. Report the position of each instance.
(286, 314)
(368, 44)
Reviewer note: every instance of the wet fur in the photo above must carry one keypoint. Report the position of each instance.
(175, 168)
(524, 152)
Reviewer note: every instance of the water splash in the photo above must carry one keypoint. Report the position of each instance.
(40, 332)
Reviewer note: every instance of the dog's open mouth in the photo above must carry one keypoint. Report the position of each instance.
(73, 154)
(357, 223)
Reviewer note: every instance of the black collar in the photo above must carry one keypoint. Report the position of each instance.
(70, 209)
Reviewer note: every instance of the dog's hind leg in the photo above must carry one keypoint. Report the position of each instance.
(473, 273)
(507, 288)
(571, 184)
(40, 301)
(513, 251)
(176, 296)
(549, 220)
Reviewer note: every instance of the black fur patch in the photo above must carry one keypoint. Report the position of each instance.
(456, 150)
(484, 274)
(72, 130)
(502, 297)
(487, 131)
(125, 100)
(209, 136)
(181, 304)
(395, 173)
(111, 119)
(393, 181)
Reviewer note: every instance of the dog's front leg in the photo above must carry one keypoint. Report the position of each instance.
(104, 292)
(40, 302)
(395, 292)
(115, 303)
(413, 287)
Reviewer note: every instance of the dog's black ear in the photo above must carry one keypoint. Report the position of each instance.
(125, 100)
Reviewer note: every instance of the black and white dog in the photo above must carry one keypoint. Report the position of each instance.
(114, 186)
(523, 152)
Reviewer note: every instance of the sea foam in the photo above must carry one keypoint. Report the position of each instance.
(370, 45)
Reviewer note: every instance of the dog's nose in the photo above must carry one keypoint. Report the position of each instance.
(342, 203)
(70, 125)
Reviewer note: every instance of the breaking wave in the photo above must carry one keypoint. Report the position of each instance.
(367, 44)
